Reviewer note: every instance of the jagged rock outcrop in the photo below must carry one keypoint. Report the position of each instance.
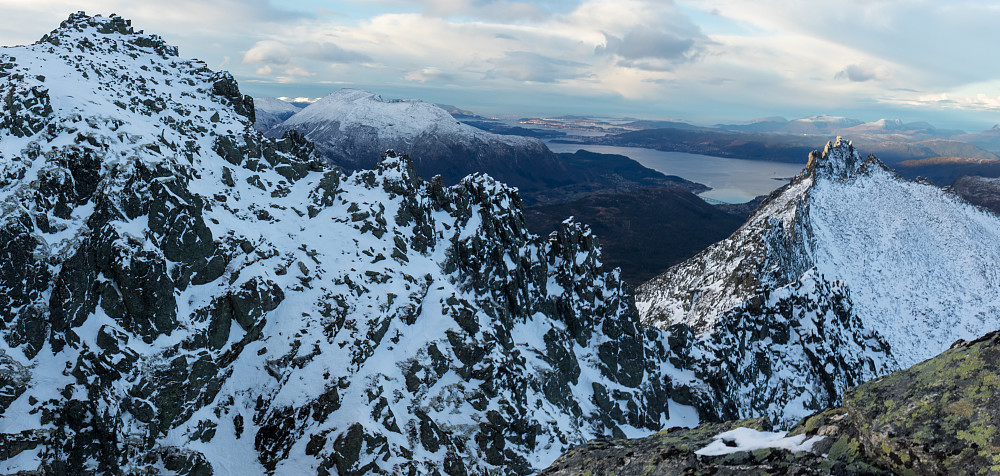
(937, 417)
(183, 295)
(898, 268)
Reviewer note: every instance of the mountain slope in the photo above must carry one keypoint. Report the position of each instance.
(181, 295)
(981, 191)
(633, 227)
(936, 417)
(914, 262)
(352, 128)
(270, 112)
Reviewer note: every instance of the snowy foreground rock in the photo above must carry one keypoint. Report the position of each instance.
(846, 274)
(937, 417)
(180, 294)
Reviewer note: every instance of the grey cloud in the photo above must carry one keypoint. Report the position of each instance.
(276, 53)
(430, 74)
(527, 66)
(268, 52)
(491, 10)
(331, 53)
(856, 73)
(646, 48)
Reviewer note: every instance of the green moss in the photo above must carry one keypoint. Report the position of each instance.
(845, 449)
(961, 408)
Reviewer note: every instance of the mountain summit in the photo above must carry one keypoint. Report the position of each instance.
(352, 128)
(908, 264)
(181, 295)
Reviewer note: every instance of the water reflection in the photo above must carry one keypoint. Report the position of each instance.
(732, 180)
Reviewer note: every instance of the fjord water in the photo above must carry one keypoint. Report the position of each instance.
(732, 180)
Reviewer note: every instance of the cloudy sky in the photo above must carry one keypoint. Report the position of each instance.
(704, 61)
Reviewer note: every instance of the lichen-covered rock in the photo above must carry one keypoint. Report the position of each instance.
(937, 417)
(673, 451)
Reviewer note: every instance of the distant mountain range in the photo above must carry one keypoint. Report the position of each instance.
(781, 146)
(353, 129)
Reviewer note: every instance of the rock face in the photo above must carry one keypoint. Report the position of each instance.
(673, 451)
(352, 128)
(898, 269)
(937, 417)
(182, 295)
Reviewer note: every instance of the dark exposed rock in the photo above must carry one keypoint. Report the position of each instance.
(201, 285)
(981, 191)
(937, 417)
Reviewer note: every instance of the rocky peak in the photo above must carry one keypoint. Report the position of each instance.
(96, 32)
(179, 287)
(839, 160)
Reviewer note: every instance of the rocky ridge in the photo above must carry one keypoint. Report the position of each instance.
(176, 284)
(902, 266)
(937, 417)
(182, 295)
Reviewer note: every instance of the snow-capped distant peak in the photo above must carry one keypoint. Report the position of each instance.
(888, 123)
(275, 106)
(388, 118)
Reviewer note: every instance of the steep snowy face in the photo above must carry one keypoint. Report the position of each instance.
(181, 295)
(272, 111)
(352, 128)
(914, 263)
(920, 263)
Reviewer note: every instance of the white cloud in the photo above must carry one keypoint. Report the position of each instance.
(659, 55)
(429, 73)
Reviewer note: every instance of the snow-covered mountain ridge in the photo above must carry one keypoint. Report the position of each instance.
(272, 111)
(352, 128)
(182, 295)
(915, 262)
(393, 119)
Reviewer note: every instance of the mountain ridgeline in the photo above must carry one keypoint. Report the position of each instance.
(895, 271)
(353, 128)
(181, 294)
